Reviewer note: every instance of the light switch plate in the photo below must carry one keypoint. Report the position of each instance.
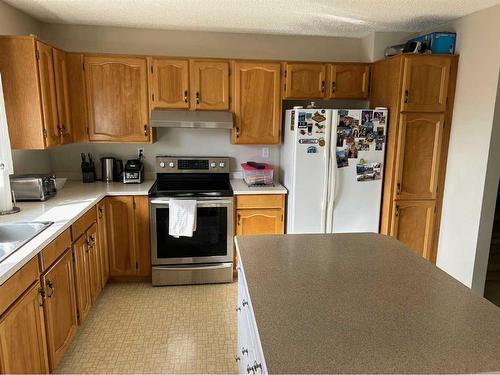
(265, 152)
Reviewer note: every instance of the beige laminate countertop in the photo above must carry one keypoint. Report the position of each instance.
(64, 209)
(363, 303)
(241, 188)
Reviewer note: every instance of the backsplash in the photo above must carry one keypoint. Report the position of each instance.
(31, 161)
(65, 160)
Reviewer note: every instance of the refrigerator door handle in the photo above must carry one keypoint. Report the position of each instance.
(331, 182)
(324, 200)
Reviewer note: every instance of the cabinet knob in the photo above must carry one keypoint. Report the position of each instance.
(238, 309)
(398, 188)
(333, 87)
(250, 369)
(41, 296)
(197, 97)
(245, 303)
(239, 219)
(237, 132)
(322, 86)
(397, 211)
(237, 358)
(407, 94)
(257, 366)
(244, 351)
(51, 288)
(185, 96)
(145, 130)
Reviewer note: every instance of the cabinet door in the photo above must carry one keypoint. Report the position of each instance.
(117, 99)
(261, 221)
(94, 262)
(121, 236)
(22, 336)
(169, 83)
(210, 85)
(257, 103)
(82, 277)
(142, 235)
(77, 97)
(419, 150)
(348, 81)
(304, 81)
(48, 93)
(413, 225)
(102, 235)
(60, 307)
(62, 93)
(425, 83)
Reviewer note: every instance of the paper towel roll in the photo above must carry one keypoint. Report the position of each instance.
(6, 167)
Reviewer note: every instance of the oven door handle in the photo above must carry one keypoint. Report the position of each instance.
(218, 203)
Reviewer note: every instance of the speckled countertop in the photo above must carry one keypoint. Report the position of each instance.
(64, 209)
(363, 303)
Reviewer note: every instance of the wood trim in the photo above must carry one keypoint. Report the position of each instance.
(55, 249)
(17, 284)
(77, 97)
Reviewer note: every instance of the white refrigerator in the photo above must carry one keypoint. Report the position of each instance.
(332, 165)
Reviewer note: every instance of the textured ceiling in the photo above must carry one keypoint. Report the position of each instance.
(296, 17)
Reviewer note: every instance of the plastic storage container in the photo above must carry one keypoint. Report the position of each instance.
(438, 42)
(254, 176)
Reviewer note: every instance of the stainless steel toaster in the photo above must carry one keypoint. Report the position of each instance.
(33, 187)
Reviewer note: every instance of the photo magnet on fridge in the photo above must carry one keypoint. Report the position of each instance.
(312, 150)
(380, 117)
(366, 116)
(342, 160)
(368, 171)
(308, 141)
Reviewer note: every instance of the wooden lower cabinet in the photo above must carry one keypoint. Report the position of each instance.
(413, 224)
(82, 277)
(260, 221)
(60, 307)
(128, 236)
(102, 235)
(22, 336)
(93, 250)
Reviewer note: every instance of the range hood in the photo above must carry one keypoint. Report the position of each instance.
(191, 119)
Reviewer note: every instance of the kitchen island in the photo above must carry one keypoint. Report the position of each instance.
(356, 303)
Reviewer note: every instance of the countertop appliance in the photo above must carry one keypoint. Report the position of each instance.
(207, 257)
(111, 169)
(133, 173)
(332, 165)
(33, 187)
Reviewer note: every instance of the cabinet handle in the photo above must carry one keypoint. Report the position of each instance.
(333, 87)
(257, 366)
(407, 94)
(185, 96)
(197, 97)
(250, 369)
(145, 130)
(51, 287)
(237, 358)
(322, 86)
(59, 130)
(100, 212)
(238, 309)
(239, 219)
(237, 132)
(398, 188)
(244, 351)
(397, 210)
(41, 296)
(245, 303)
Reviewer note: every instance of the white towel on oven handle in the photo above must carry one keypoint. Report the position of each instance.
(181, 217)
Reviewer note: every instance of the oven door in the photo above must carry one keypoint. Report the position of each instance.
(212, 242)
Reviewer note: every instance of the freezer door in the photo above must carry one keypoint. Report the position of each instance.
(354, 200)
(311, 142)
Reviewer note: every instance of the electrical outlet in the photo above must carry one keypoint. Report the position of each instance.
(140, 153)
(265, 152)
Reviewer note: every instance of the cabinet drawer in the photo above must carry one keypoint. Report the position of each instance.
(55, 249)
(18, 283)
(259, 201)
(83, 223)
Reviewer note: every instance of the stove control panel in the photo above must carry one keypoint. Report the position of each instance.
(172, 164)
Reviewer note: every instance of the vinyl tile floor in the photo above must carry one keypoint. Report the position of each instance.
(135, 328)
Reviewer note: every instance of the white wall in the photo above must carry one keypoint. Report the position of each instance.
(15, 22)
(463, 246)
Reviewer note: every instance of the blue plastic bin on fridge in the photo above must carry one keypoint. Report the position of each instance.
(439, 42)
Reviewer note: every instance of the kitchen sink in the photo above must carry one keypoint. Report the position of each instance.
(13, 236)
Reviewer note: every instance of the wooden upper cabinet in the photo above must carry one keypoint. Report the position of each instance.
(413, 224)
(256, 102)
(48, 94)
(77, 97)
(169, 83)
(82, 277)
(22, 336)
(209, 84)
(304, 81)
(348, 81)
(121, 236)
(62, 95)
(60, 307)
(117, 99)
(418, 156)
(425, 83)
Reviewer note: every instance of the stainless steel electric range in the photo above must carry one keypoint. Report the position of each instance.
(207, 257)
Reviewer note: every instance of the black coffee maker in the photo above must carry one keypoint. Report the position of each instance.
(133, 173)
